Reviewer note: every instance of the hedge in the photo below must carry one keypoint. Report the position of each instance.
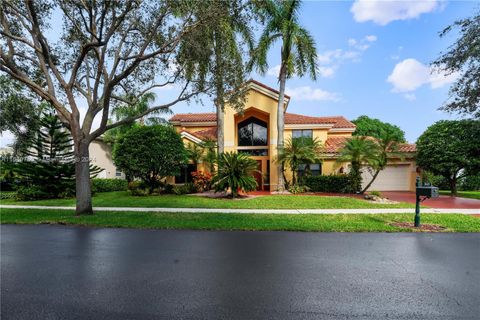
(107, 185)
(332, 183)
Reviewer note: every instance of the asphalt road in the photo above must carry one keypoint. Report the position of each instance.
(54, 272)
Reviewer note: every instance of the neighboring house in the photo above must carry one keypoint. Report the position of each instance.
(101, 156)
(254, 131)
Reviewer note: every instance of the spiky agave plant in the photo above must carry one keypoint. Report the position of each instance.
(235, 172)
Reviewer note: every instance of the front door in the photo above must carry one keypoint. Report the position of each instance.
(258, 175)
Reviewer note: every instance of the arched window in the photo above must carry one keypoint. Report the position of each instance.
(252, 132)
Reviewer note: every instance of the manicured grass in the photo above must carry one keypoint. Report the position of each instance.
(216, 221)
(463, 194)
(124, 199)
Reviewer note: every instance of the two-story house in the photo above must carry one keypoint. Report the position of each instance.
(254, 132)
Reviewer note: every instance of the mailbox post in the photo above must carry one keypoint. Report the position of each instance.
(425, 191)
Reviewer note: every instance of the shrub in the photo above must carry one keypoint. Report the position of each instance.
(137, 188)
(375, 193)
(150, 153)
(332, 183)
(167, 188)
(108, 185)
(202, 180)
(298, 189)
(8, 195)
(235, 172)
(186, 188)
(31, 193)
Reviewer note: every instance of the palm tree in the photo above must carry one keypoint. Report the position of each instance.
(298, 53)
(387, 146)
(299, 151)
(359, 151)
(210, 154)
(216, 53)
(195, 152)
(235, 172)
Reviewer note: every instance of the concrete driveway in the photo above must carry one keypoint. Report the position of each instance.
(55, 272)
(446, 202)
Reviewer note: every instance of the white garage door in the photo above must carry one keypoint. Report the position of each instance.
(392, 178)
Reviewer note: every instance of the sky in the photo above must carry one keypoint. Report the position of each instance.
(374, 59)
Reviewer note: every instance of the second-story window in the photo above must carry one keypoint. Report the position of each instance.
(308, 133)
(252, 132)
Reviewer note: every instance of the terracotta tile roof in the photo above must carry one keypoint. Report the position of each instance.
(194, 117)
(290, 118)
(338, 122)
(408, 147)
(210, 133)
(334, 144)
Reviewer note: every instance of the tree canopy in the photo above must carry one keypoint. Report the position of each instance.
(376, 128)
(19, 113)
(450, 149)
(150, 153)
(107, 53)
(463, 57)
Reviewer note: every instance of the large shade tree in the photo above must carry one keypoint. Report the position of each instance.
(19, 113)
(463, 57)
(450, 149)
(298, 53)
(376, 128)
(109, 52)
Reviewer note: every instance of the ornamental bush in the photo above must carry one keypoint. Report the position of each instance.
(150, 153)
(109, 185)
(202, 180)
(331, 183)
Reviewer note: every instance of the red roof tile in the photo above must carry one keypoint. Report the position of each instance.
(290, 118)
(194, 117)
(207, 134)
(334, 144)
(408, 147)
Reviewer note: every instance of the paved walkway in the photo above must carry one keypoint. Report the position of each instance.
(440, 202)
(261, 211)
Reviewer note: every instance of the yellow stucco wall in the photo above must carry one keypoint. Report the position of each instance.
(264, 107)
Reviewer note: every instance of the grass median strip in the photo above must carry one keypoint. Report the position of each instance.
(222, 221)
(124, 199)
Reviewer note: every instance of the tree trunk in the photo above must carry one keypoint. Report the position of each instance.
(82, 178)
(220, 128)
(371, 181)
(453, 186)
(280, 126)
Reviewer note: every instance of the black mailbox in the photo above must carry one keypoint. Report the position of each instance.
(427, 191)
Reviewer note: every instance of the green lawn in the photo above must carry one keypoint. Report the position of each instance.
(124, 199)
(215, 221)
(464, 194)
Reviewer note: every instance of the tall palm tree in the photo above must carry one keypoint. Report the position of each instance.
(359, 151)
(300, 151)
(217, 53)
(298, 53)
(387, 146)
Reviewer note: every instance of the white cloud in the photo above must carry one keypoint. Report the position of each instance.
(326, 72)
(371, 38)
(410, 74)
(384, 12)
(308, 93)
(410, 96)
(275, 71)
